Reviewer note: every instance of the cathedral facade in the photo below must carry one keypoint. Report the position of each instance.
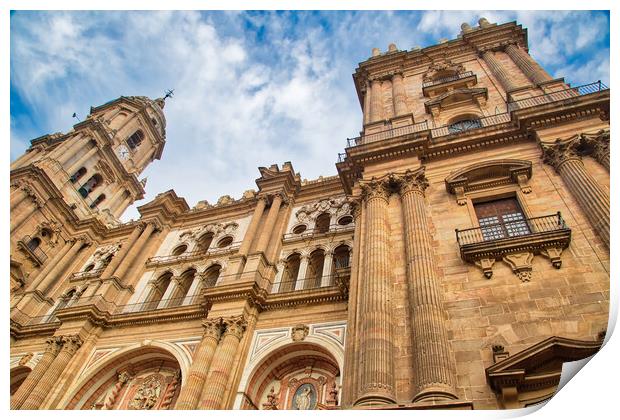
(457, 259)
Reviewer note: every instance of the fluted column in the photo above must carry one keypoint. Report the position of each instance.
(19, 195)
(54, 344)
(120, 255)
(69, 149)
(26, 208)
(272, 216)
(593, 200)
(366, 92)
(498, 71)
(434, 368)
(62, 265)
(376, 101)
(376, 360)
(527, 64)
(213, 395)
(50, 265)
(70, 345)
(191, 391)
(399, 96)
(134, 251)
(251, 232)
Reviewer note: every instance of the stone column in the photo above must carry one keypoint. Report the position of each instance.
(326, 277)
(113, 200)
(376, 101)
(399, 96)
(498, 71)
(71, 344)
(280, 272)
(169, 293)
(191, 391)
(376, 359)
(301, 273)
(25, 210)
(50, 265)
(527, 64)
(434, 368)
(219, 373)
(62, 265)
(366, 92)
(272, 216)
(80, 162)
(54, 344)
(135, 250)
(69, 149)
(122, 379)
(19, 195)
(251, 232)
(593, 200)
(120, 255)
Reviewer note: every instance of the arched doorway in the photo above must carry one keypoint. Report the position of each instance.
(299, 376)
(147, 378)
(18, 376)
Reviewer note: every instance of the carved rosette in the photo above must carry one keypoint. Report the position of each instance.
(375, 189)
(560, 152)
(235, 326)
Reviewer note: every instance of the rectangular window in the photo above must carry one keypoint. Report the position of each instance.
(502, 218)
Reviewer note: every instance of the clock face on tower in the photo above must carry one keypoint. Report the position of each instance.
(123, 152)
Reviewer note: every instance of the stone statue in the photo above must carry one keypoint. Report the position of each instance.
(304, 399)
(146, 396)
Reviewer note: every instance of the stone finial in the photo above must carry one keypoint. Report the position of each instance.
(465, 27)
(443, 40)
(376, 52)
(483, 22)
(392, 48)
(416, 48)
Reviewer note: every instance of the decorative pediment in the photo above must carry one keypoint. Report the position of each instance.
(535, 370)
(442, 68)
(477, 96)
(489, 174)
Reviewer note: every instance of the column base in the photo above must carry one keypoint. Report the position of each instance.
(433, 396)
(371, 400)
(445, 405)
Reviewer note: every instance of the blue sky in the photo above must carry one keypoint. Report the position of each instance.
(251, 88)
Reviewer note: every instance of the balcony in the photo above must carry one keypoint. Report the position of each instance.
(560, 95)
(515, 243)
(433, 87)
(160, 260)
(315, 233)
(388, 134)
(484, 122)
(35, 253)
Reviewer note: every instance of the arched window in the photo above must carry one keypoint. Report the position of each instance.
(92, 183)
(341, 257)
(211, 275)
(314, 273)
(179, 250)
(33, 243)
(225, 241)
(66, 299)
(97, 201)
(291, 270)
(322, 223)
(183, 285)
(464, 124)
(204, 242)
(135, 139)
(158, 288)
(78, 174)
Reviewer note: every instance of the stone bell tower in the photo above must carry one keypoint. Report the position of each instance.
(95, 166)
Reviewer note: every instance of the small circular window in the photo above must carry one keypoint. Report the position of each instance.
(345, 220)
(299, 229)
(224, 242)
(179, 250)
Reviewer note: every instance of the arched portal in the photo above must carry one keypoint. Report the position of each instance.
(18, 376)
(299, 376)
(146, 378)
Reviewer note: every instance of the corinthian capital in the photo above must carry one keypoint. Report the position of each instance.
(413, 181)
(213, 328)
(53, 344)
(375, 189)
(71, 343)
(235, 326)
(598, 142)
(560, 151)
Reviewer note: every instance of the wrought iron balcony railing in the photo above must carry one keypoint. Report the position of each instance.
(560, 95)
(506, 231)
(483, 122)
(448, 79)
(388, 134)
(36, 253)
